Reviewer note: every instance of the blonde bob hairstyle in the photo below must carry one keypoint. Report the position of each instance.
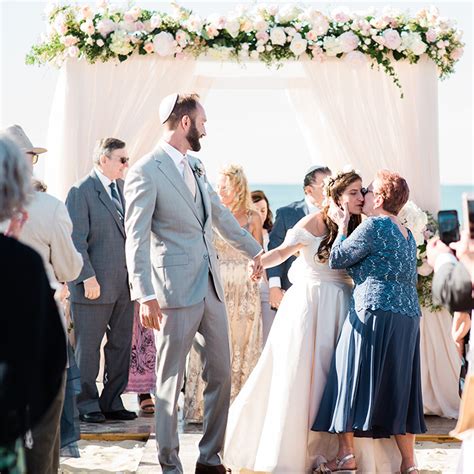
(15, 179)
(238, 181)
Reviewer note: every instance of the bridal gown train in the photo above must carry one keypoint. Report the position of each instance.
(269, 422)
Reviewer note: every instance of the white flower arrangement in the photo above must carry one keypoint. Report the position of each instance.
(423, 226)
(272, 33)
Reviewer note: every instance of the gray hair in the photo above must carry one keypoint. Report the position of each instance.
(105, 146)
(15, 179)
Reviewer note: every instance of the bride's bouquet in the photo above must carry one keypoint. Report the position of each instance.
(423, 226)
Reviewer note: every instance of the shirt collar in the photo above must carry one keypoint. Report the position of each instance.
(174, 154)
(104, 180)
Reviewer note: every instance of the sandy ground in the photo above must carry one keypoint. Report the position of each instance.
(133, 456)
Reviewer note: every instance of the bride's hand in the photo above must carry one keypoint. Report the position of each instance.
(339, 216)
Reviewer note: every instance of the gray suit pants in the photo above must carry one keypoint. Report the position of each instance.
(173, 343)
(91, 322)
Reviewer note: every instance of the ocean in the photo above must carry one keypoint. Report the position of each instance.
(282, 194)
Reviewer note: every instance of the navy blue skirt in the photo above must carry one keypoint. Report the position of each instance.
(374, 384)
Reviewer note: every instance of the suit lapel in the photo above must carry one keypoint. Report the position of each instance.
(107, 202)
(171, 173)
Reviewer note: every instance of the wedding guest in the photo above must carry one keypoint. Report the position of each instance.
(286, 218)
(374, 384)
(141, 375)
(261, 204)
(32, 376)
(242, 298)
(48, 231)
(100, 296)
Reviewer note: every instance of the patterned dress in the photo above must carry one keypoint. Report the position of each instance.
(374, 385)
(242, 300)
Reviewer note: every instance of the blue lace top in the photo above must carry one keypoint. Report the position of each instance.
(382, 264)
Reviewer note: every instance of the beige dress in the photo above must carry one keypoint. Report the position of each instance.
(242, 299)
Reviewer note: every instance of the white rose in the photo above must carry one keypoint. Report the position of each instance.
(246, 25)
(232, 25)
(155, 21)
(340, 15)
(261, 25)
(182, 38)
(278, 36)
(348, 41)
(194, 24)
(413, 43)
(73, 51)
(288, 13)
(164, 44)
(392, 39)
(254, 54)
(332, 46)
(260, 48)
(355, 59)
(88, 27)
(100, 43)
(298, 45)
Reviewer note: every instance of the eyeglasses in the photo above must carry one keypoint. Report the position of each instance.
(365, 191)
(34, 157)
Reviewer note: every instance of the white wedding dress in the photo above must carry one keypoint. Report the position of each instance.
(268, 429)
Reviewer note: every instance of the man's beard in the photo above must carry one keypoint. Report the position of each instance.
(193, 137)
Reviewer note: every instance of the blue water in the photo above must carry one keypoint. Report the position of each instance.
(282, 194)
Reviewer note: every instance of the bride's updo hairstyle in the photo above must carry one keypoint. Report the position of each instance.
(334, 186)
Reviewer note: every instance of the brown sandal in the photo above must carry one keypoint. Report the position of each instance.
(146, 403)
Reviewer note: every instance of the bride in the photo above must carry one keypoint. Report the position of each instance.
(269, 422)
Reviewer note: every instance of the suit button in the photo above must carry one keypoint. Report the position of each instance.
(205, 256)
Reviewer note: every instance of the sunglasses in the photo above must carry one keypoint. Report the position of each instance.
(365, 191)
(122, 159)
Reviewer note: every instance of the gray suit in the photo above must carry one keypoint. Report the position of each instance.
(99, 235)
(170, 254)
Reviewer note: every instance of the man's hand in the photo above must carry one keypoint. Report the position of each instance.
(275, 296)
(434, 249)
(465, 251)
(91, 288)
(256, 268)
(16, 224)
(150, 314)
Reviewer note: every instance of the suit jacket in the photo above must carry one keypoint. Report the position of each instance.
(48, 230)
(169, 248)
(286, 218)
(32, 341)
(452, 287)
(99, 236)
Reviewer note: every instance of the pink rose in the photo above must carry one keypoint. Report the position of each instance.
(69, 40)
(86, 12)
(88, 27)
(139, 26)
(132, 15)
(348, 41)
(340, 16)
(457, 53)
(392, 39)
(106, 26)
(149, 48)
(431, 35)
(211, 31)
(262, 36)
(311, 35)
(155, 21)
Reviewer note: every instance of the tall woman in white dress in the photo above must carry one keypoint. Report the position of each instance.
(269, 422)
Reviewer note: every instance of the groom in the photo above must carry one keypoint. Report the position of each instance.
(174, 274)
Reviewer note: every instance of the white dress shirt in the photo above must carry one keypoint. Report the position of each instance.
(106, 182)
(175, 155)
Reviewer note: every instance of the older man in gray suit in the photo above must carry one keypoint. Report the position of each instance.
(100, 298)
(174, 273)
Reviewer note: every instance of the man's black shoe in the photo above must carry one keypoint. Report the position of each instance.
(120, 415)
(92, 417)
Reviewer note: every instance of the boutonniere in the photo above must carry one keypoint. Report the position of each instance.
(198, 169)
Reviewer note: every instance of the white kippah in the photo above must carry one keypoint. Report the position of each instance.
(167, 106)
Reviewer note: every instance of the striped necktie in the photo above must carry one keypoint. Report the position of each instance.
(116, 199)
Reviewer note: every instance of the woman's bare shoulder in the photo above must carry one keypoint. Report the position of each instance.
(313, 223)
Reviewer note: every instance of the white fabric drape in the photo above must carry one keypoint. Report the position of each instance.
(356, 116)
(109, 100)
(440, 365)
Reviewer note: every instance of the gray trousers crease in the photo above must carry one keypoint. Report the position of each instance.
(173, 343)
(91, 322)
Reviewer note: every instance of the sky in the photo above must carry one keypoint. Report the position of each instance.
(26, 93)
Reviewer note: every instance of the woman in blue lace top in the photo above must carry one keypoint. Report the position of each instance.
(374, 385)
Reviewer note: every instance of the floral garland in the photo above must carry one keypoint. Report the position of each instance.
(269, 34)
(423, 226)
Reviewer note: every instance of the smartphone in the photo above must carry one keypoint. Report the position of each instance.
(468, 208)
(448, 224)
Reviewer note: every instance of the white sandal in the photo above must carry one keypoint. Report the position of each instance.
(410, 469)
(323, 468)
